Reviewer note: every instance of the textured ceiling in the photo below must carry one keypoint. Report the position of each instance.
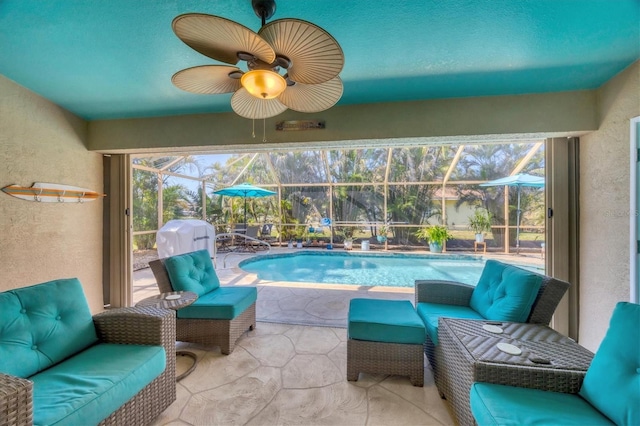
(113, 59)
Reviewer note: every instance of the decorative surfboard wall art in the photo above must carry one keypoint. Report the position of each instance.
(52, 193)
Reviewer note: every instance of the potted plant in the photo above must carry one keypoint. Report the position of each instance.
(480, 223)
(301, 234)
(347, 233)
(435, 235)
(382, 234)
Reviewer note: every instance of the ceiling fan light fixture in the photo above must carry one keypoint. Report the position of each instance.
(263, 84)
(310, 57)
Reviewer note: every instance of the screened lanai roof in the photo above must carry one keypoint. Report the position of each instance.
(398, 188)
(429, 164)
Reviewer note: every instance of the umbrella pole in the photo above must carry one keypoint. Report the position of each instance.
(245, 211)
(518, 223)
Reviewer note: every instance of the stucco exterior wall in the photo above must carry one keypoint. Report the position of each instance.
(41, 142)
(604, 206)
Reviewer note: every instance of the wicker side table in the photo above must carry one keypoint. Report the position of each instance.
(468, 353)
(170, 300)
(174, 300)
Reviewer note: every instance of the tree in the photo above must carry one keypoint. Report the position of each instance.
(487, 162)
(145, 196)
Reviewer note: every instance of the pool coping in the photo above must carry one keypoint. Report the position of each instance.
(363, 253)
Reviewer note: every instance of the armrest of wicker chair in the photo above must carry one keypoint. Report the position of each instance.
(551, 292)
(16, 401)
(142, 325)
(445, 292)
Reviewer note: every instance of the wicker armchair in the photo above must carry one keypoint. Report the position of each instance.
(608, 394)
(441, 292)
(206, 331)
(143, 326)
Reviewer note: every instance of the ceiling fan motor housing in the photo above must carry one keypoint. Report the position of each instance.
(265, 9)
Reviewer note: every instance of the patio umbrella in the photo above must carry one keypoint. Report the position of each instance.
(519, 181)
(244, 190)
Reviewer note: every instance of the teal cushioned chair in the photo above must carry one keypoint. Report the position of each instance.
(503, 293)
(220, 315)
(610, 392)
(59, 365)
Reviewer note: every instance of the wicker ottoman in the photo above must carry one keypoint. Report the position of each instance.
(385, 337)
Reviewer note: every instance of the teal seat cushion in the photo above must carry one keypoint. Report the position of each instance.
(612, 382)
(224, 303)
(431, 312)
(493, 404)
(192, 272)
(87, 388)
(505, 292)
(389, 321)
(43, 324)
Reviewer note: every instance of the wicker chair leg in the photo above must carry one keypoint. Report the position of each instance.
(417, 379)
(430, 351)
(227, 348)
(352, 372)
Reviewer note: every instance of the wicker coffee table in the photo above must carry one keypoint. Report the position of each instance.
(468, 353)
(174, 300)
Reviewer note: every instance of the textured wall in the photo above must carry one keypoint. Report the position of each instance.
(40, 142)
(604, 206)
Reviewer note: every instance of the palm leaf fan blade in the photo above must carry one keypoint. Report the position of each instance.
(207, 79)
(316, 57)
(248, 106)
(312, 97)
(220, 38)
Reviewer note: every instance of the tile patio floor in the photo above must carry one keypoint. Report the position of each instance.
(291, 370)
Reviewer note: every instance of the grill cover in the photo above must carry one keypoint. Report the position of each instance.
(181, 236)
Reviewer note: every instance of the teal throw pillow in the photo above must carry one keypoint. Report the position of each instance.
(612, 383)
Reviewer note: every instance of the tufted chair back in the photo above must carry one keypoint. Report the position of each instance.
(509, 293)
(42, 325)
(505, 293)
(187, 272)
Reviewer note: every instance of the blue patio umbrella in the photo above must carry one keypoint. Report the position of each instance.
(519, 180)
(245, 190)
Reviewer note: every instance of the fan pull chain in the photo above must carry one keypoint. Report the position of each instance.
(253, 129)
(264, 130)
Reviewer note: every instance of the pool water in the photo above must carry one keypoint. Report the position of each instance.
(394, 269)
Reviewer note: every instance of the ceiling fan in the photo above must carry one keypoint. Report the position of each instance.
(310, 58)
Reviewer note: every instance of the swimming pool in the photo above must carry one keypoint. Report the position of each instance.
(363, 269)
